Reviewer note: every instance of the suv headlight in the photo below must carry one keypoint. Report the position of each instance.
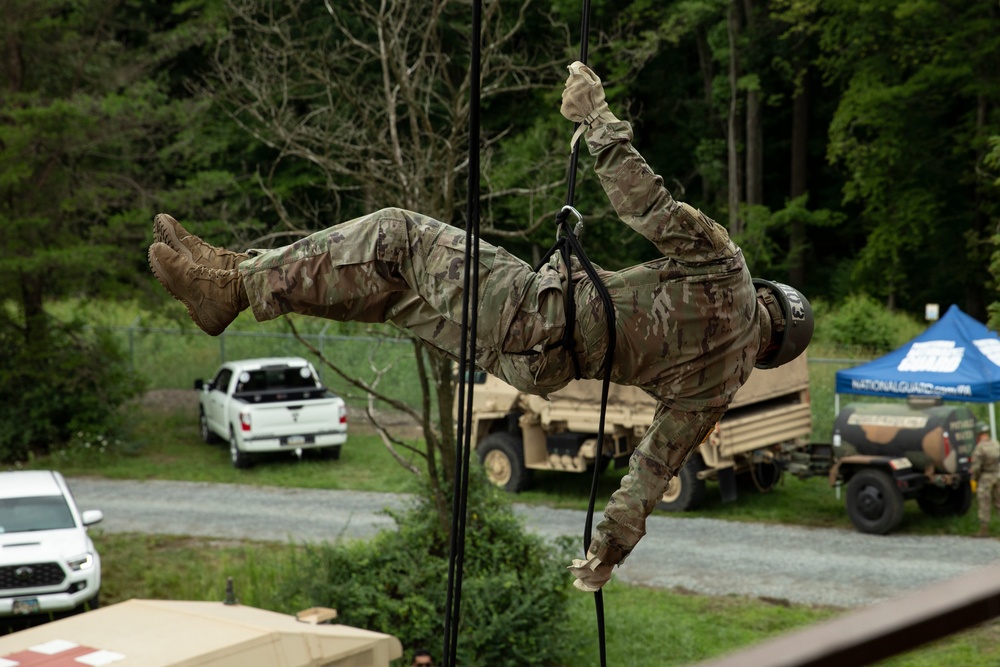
(84, 562)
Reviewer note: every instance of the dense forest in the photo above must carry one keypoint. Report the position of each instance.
(850, 146)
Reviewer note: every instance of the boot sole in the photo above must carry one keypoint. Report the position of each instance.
(160, 275)
(164, 232)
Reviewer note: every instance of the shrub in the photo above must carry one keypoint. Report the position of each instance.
(73, 384)
(514, 590)
(863, 322)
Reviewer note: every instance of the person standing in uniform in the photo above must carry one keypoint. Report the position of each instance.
(690, 325)
(984, 472)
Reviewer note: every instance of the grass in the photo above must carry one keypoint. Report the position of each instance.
(166, 445)
(643, 626)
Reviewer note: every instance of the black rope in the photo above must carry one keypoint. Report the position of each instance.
(570, 241)
(566, 245)
(466, 362)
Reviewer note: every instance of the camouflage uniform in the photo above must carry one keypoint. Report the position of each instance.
(985, 469)
(688, 324)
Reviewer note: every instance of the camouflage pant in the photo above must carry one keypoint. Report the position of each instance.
(406, 268)
(987, 493)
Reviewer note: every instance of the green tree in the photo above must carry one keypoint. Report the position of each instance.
(921, 95)
(88, 106)
(373, 101)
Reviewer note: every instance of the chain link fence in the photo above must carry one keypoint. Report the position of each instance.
(173, 358)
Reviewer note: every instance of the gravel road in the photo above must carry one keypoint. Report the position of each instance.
(801, 565)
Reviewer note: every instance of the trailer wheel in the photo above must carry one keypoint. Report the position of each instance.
(685, 492)
(874, 502)
(502, 455)
(937, 501)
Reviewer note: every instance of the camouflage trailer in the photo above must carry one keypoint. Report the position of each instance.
(888, 453)
(517, 433)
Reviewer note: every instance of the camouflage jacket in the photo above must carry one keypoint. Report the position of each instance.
(688, 328)
(688, 323)
(985, 459)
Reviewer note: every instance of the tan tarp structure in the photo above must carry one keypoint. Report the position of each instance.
(164, 633)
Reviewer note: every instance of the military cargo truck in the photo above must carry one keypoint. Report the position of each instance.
(517, 433)
(888, 453)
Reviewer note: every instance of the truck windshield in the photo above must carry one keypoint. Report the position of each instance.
(272, 379)
(22, 515)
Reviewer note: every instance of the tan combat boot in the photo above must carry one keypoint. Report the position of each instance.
(984, 530)
(213, 297)
(167, 230)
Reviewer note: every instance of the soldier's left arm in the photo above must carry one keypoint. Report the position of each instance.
(644, 204)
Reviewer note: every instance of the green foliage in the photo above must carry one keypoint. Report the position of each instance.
(861, 322)
(69, 391)
(764, 228)
(514, 588)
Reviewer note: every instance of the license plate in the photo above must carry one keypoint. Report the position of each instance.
(296, 440)
(26, 606)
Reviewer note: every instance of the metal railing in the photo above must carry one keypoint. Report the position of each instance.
(881, 631)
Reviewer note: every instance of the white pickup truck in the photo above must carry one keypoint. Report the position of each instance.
(271, 405)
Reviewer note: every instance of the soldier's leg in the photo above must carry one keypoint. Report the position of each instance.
(390, 265)
(995, 493)
(984, 493)
(664, 449)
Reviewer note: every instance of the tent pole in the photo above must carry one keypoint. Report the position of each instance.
(836, 405)
(993, 420)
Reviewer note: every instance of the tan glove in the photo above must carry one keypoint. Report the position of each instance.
(591, 573)
(583, 100)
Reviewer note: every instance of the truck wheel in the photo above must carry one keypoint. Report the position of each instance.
(761, 477)
(685, 492)
(206, 433)
(874, 502)
(502, 455)
(239, 458)
(937, 501)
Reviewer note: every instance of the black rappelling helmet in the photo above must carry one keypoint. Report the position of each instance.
(792, 331)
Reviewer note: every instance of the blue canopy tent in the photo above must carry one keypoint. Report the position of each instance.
(957, 358)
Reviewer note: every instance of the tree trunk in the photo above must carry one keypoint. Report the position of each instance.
(754, 129)
(706, 65)
(734, 136)
(36, 323)
(800, 176)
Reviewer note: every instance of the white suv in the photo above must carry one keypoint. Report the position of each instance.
(48, 563)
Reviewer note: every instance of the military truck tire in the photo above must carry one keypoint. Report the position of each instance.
(935, 501)
(874, 502)
(685, 492)
(502, 455)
